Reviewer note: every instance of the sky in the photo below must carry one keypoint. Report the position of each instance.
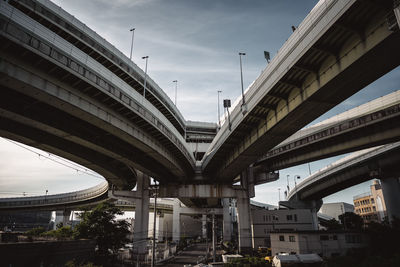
(196, 43)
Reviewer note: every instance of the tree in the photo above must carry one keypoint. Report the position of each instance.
(351, 221)
(100, 224)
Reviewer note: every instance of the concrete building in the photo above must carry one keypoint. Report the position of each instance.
(371, 205)
(324, 243)
(265, 221)
(336, 209)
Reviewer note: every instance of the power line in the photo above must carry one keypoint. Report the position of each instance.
(75, 166)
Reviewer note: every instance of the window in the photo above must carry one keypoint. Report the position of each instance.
(334, 237)
(323, 237)
(281, 238)
(372, 201)
(289, 217)
(292, 238)
(295, 217)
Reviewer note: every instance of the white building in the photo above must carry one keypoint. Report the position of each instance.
(323, 243)
(265, 221)
(336, 209)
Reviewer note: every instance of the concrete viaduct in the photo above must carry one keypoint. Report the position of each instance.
(68, 91)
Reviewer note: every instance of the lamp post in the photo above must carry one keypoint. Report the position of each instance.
(176, 89)
(133, 34)
(219, 120)
(145, 77)
(241, 79)
(279, 192)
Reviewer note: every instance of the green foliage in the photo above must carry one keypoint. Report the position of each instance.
(100, 224)
(248, 261)
(333, 225)
(351, 221)
(35, 231)
(74, 263)
(62, 233)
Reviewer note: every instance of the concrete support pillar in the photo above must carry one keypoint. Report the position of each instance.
(391, 193)
(204, 226)
(160, 235)
(176, 222)
(227, 220)
(140, 231)
(62, 216)
(397, 13)
(314, 215)
(244, 224)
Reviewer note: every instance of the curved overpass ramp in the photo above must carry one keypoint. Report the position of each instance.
(67, 91)
(70, 200)
(380, 162)
(371, 124)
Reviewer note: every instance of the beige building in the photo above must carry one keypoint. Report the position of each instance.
(324, 243)
(265, 221)
(371, 205)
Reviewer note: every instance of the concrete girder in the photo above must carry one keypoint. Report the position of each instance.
(381, 167)
(201, 191)
(370, 130)
(358, 65)
(59, 96)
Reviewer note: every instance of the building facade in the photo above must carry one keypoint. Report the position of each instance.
(334, 210)
(371, 205)
(265, 221)
(324, 243)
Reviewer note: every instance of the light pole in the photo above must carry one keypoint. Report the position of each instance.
(133, 34)
(176, 89)
(219, 120)
(241, 79)
(145, 77)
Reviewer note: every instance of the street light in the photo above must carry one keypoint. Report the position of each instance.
(145, 77)
(133, 34)
(244, 110)
(176, 89)
(219, 120)
(279, 192)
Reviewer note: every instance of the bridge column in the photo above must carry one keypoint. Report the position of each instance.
(391, 193)
(244, 224)
(204, 225)
(140, 231)
(397, 13)
(62, 216)
(176, 222)
(160, 227)
(227, 220)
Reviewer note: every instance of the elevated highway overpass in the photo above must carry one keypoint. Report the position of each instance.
(374, 123)
(380, 162)
(339, 48)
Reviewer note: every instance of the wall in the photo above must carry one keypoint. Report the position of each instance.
(266, 221)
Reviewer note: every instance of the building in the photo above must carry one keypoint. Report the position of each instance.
(324, 243)
(334, 210)
(265, 221)
(371, 205)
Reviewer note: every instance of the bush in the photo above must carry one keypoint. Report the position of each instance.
(35, 231)
(65, 232)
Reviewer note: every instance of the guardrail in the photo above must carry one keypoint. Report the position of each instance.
(98, 74)
(342, 164)
(58, 199)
